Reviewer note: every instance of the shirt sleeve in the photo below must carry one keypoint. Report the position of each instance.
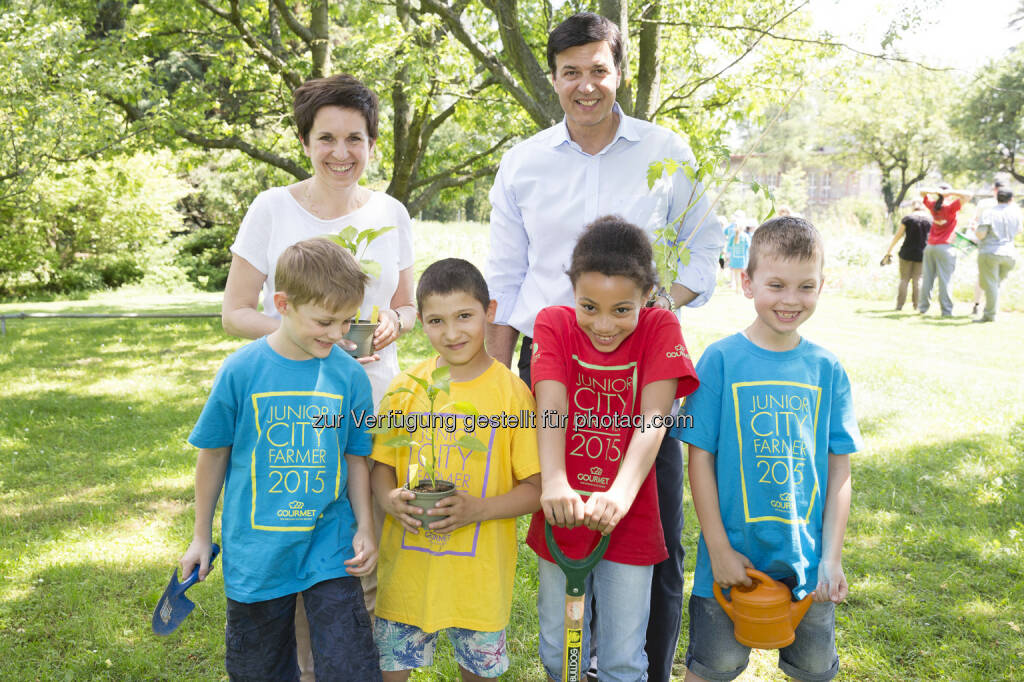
(548, 359)
(703, 409)
(359, 442)
(254, 234)
(507, 261)
(525, 458)
(843, 433)
(215, 427)
(700, 275)
(665, 354)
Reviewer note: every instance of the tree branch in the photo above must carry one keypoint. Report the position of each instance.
(423, 198)
(465, 164)
(266, 55)
(535, 109)
(750, 48)
(296, 26)
(813, 41)
(134, 113)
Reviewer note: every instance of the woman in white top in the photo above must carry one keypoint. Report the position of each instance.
(337, 120)
(337, 123)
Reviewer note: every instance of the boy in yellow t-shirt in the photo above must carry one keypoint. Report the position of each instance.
(456, 573)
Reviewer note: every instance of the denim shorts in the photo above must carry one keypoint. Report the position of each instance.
(714, 653)
(260, 637)
(622, 593)
(403, 647)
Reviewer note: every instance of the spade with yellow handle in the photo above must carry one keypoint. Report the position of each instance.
(576, 572)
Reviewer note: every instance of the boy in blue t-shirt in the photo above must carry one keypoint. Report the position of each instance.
(770, 437)
(281, 433)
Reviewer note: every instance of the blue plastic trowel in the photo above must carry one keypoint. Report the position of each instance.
(174, 605)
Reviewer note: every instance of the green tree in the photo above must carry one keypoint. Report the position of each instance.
(892, 116)
(990, 120)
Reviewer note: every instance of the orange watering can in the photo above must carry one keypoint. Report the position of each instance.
(764, 615)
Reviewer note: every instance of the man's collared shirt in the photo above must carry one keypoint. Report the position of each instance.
(547, 189)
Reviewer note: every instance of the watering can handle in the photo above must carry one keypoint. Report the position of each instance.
(727, 603)
(575, 570)
(193, 577)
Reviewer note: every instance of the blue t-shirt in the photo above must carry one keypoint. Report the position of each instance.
(286, 522)
(771, 419)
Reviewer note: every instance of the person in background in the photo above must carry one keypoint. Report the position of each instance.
(939, 259)
(548, 187)
(913, 230)
(996, 254)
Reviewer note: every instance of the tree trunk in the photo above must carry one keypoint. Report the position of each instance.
(648, 81)
(618, 11)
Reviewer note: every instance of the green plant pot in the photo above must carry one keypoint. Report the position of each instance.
(427, 499)
(361, 334)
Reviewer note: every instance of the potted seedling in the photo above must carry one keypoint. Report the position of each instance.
(361, 331)
(423, 479)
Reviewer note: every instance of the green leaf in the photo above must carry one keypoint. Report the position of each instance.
(400, 442)
(470, 443)
(421, 382)
(371, 268)
(370, 235)
(684, 256)
(461, 407)
(654, 172)
(440, 374)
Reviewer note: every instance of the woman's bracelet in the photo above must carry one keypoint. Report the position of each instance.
(398, 316)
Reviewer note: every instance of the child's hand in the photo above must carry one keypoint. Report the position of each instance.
(729, 568)
(831, 582)
(365, 547)
(563, 507)
(396, 504)
(603, 511)
(462, 509)
(197, 553)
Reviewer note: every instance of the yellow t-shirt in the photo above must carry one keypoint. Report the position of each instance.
(461, 579)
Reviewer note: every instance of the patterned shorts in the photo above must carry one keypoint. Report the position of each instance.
(403, 647)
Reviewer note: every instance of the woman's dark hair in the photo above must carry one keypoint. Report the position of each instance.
(341, 90)
(938, 203)
(583, 28)
(612, 246)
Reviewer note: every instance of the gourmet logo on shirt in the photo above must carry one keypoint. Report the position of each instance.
(776, 423)
(295, 468)
(601, 401)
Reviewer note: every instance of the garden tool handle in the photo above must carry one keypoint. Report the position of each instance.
(193, 577)
(575, 570)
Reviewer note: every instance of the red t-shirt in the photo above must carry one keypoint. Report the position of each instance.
(602, 386)
(943, 220)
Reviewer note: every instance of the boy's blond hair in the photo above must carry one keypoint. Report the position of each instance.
(788, 238)
(322, 272)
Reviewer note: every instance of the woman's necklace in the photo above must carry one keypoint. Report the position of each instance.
(356, 200)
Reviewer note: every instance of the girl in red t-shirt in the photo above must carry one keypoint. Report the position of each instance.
(605, 374)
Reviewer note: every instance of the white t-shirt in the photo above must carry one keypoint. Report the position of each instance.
(275, 221)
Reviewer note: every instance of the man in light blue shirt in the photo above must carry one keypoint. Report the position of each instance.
(996, 230)
(547, 189)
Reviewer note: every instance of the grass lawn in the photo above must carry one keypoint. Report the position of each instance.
(96, 487)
